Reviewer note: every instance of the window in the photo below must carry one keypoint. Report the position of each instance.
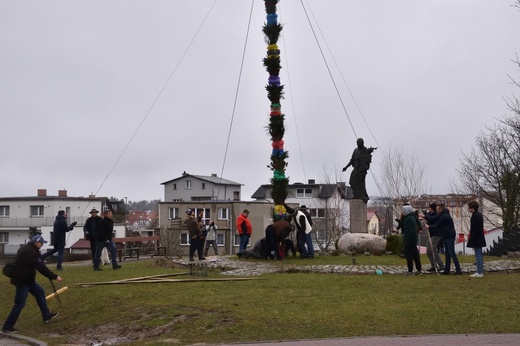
(303, 193)
(4, 211)
(174, 186)
(188, 184)
(236, 196)
(223, 213)
(173, 213)
(185, 239)
(220, 239)
(203, 186)
(36, 210)
(317, 212)
(205, 214)
(4, 237)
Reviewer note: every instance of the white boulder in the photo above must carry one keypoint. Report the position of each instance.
(361, 243)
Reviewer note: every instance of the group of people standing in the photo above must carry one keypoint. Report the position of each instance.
(99, 231)
(438, 222)
(202, 236)
(275, 243)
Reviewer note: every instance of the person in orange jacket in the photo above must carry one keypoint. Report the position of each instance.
(244, 229)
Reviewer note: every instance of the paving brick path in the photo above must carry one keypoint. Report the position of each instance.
(231, 266)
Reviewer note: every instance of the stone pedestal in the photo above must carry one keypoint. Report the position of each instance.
(358, 216)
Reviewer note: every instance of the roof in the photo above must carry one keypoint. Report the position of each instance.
(371, 214)
(52, 198)
(326, 190)
(81, 244)
(212, 178)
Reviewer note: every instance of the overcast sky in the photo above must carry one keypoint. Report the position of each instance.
(79, 78)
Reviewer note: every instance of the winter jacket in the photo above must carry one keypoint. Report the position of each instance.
(91, 227)
(282, 229)
(212, 232)
(60, 229)
(28, 261)
(444, 225)
(244, 225)
(431, 219)
(302, 223)
(106, 228)
(476, 231)
(410, 230)
(193, 227)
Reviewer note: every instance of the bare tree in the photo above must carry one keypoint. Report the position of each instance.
(170, 238)
(492, 168)
(332, 224)
(402, 177)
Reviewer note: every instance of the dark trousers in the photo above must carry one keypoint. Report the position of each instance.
(93, 248)
(449, 248)
(412, 255)
(20, 299)
(208, 244)
(195, 244)
(111, 247)
(59, 247)
(274, 244)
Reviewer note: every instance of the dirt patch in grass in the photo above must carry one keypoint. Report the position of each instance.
(115, 334)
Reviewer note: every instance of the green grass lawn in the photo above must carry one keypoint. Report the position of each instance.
(270, 307)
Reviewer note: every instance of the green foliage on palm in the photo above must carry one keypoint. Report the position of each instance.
(272, 32)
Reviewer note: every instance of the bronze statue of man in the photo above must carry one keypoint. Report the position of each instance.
(360, 161)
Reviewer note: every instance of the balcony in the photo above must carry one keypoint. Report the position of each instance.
(8, 222)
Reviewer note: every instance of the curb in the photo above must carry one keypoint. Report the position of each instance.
(18, 337)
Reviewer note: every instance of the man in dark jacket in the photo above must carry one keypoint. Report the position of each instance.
(431, 218)
(28, 261)
(195, 233)
(477, 239)
(90, 230)
(60, 230)
(104, 239)
(275, 234)
(446, 228)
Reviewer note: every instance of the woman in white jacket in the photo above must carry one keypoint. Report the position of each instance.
(211, 238)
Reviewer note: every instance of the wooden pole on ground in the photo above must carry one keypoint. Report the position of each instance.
(153, 281)
(52, 295)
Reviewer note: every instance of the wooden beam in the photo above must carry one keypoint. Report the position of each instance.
(154, 281)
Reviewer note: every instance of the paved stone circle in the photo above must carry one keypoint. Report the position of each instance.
(234, 267)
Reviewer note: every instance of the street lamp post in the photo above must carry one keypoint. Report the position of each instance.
(126, 213)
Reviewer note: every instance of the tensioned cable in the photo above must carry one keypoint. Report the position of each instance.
(344, 81)
(292, 102)
(341, 74)
(153, 103)
(158, 96)
(236, 95)
(328, 68)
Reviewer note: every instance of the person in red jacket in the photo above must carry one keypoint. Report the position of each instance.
(244, 229)
(28, 261)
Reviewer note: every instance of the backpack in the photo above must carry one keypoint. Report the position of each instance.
(8, 269)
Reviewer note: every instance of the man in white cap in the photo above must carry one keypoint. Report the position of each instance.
(28, 261)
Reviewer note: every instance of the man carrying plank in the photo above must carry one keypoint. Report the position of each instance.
(28, 261)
